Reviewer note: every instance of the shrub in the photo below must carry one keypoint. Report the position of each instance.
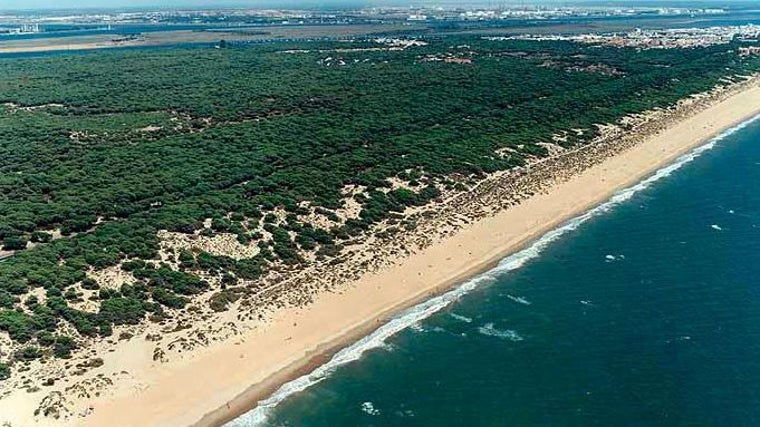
(63, 346)
(41, 237)
(220, 301)
(106, 293)
(5, 371)
(133, 265)
(77, 224)
(168, 299)
(122, 311)
(178, 281)
(18, 325)
(45, 338)
(228, 279)
(222, 225)
(90, 284)
(71, 294)
(28, 353)
(7, 300)
(250, 269)
(243, 238)
(14, 243)
(186, 259)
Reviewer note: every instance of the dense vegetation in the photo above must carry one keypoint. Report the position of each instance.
(123, 144)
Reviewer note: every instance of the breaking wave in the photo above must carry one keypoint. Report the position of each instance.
(461, 318)
(489, 330)
(413, 315)
(519, 300)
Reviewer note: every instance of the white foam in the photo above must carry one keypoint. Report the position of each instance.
(519, 300)
(464, 319)
(408, 413)
(613, 258)
(507, 334)
(407, 318)
(416, 327)
(370, 409)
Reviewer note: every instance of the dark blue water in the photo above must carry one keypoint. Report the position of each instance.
(645, 315)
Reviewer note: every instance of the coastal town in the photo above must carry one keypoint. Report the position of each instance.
(673, 38)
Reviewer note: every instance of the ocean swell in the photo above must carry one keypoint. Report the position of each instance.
(413, 315)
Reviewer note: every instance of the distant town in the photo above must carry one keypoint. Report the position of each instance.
(36, 22)
(657, 39)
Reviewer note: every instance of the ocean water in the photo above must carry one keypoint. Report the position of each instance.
(642, 312)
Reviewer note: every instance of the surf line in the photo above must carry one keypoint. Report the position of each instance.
(411, 316)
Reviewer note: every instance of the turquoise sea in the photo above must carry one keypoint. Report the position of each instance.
(642, 312)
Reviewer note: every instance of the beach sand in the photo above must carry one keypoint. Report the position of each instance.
(213, 384)
(220, 382)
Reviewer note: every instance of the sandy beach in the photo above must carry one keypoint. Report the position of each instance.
(220, 382)
(212, 384)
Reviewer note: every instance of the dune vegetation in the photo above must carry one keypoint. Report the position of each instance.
(101, 153)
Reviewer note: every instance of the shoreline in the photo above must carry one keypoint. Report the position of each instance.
(256, 393)
(213, 384)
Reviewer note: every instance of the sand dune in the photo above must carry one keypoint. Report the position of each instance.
(220, 382)
(212, 383)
